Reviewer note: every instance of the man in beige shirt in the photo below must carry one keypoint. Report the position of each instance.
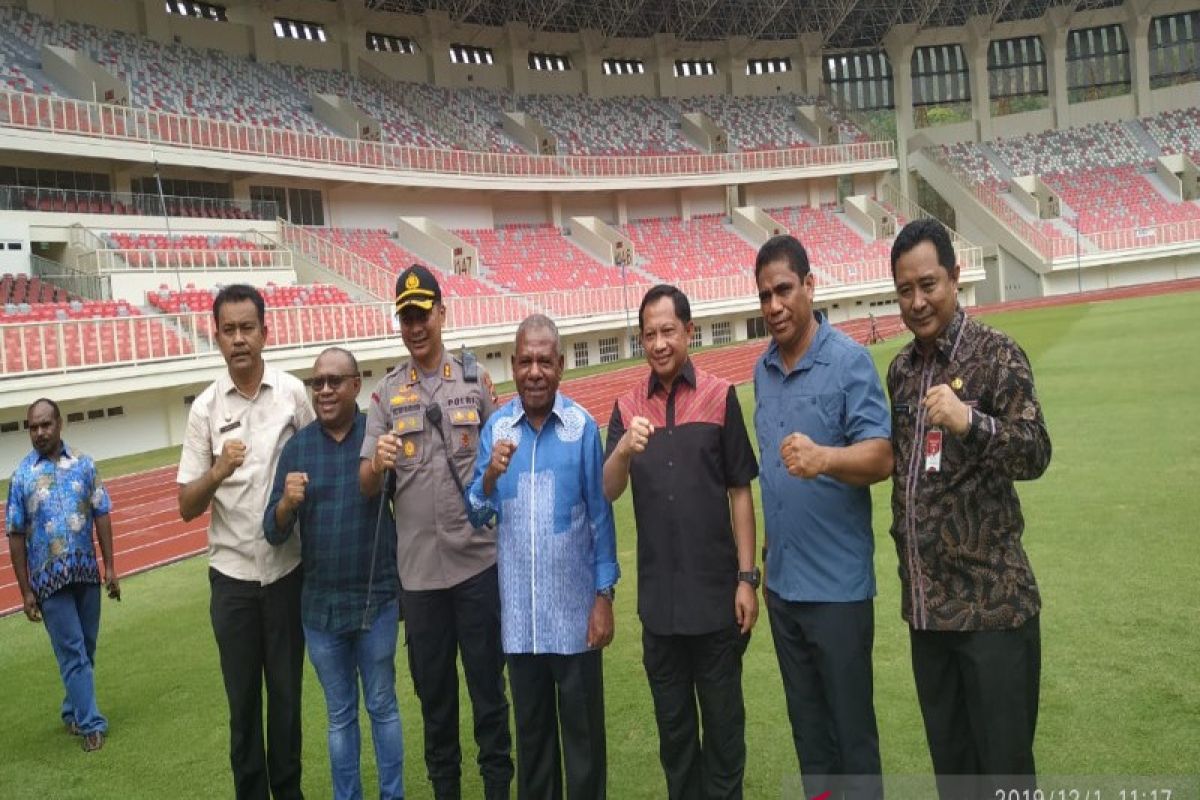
(236, 429)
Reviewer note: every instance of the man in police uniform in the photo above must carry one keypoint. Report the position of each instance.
(423, 428)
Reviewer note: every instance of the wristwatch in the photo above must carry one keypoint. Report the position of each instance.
(608, 594)
(752, 576)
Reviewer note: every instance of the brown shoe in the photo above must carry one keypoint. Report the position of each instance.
(72, 727)
(93, 741)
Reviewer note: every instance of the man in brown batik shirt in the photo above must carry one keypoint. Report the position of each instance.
(966, 424)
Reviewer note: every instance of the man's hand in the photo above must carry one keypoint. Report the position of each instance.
(803, 457)
(501, 457)
(745, 607)
(600, 624)
(489, 387)
(233, 455)
(32, 612)
(636, 436)
(112, 584)
(293, 491)
(386, 449)
(944, 409)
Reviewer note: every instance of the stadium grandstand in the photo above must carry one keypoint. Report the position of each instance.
(556, 157)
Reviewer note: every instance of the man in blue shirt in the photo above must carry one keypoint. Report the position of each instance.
(54, 498)
(539, 472)
(823, 434)
(349, 602)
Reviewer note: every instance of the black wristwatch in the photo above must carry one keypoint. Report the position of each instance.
(608, 594)
(752, 576)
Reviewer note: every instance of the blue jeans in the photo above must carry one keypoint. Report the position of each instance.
(72, 617)
(340, 659)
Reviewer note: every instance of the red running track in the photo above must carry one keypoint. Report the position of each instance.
(148, 533)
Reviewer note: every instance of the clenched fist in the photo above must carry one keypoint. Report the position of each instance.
(233, 455)
(636, 436)
(293, 491)
(386, 448)
(501, 457)
(803, 457)
(944, 409)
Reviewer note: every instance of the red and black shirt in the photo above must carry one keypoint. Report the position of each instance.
(687, 557)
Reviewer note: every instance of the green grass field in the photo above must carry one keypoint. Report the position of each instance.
(1109, 531)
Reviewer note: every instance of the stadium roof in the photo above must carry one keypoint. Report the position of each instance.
(843, 23)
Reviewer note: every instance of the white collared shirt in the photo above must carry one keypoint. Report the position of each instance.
(236, 544)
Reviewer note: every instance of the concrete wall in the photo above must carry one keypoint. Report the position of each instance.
(14, 233)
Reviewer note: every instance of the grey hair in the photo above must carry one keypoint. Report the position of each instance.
(540, 322)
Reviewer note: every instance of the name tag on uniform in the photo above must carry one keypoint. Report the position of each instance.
(407, 417)
(933, 450)
(230, 427)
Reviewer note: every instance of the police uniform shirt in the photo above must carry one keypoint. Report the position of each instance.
(437, 547)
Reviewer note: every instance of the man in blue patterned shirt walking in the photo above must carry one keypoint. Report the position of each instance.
(54, 499)
(349, 602)
(540, 472)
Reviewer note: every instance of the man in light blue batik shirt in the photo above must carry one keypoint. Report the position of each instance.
(55, 501)
(540, 473)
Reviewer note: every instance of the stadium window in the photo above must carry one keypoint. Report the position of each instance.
(95, 413)
(549, 62)
(860, 80)
(1017, 75)
(75, 416)
(636, 348)
(1174, 49)
(13, 246)
(10, 427)
(697, 339)
(386, 43)
(941, 85)
(756, 328)
(581, 354)
(722, 332)
(768, 66)
(469, 54)
(623, 66)
(1097, 63)
(305, 207)
(695, 68)
(192, 8)
(299, 29)
(116, 411)
(610, 350)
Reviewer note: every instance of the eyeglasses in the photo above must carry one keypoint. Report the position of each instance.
(334, 382)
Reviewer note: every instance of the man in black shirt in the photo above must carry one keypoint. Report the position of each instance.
(681, 440)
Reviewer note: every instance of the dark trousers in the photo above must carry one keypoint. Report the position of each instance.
(979, 696)
(707, 670)
(259, 636)
(439, 625)
(824, 652)
(555, 694)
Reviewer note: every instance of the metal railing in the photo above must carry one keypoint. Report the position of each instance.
(74, 201)
(362, 273)
(970, 256)
(1048, 247)
(1053, 248)
(1167, 233)
(151, 259)
(77, 283)
(83, 118)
